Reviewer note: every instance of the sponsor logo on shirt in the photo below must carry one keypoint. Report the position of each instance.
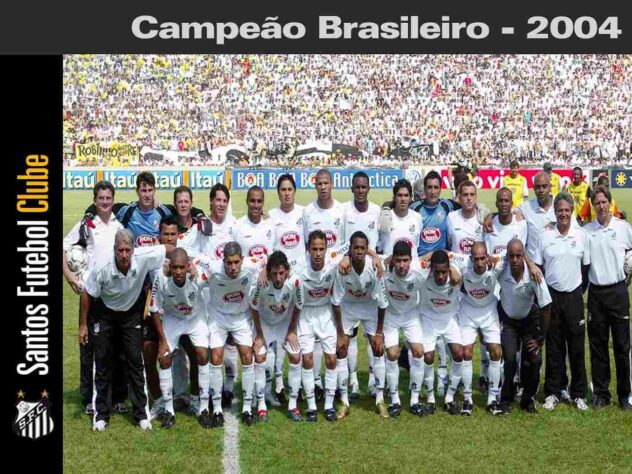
(318, 292)
(465, 245)
(356, 293)
(234, 297)
(399, 295)
(431, 235)
(290, 240)
(145, 240)
(278, 308)
(331, 238)
(257, 250)
(183, 308)
(478, 293)
(439, 302)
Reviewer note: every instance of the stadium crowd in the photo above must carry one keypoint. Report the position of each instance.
(487, 109)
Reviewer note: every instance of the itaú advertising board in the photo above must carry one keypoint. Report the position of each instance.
(493, 179)
(244, 178)
(125, 178)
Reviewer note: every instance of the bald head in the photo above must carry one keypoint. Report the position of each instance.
(516, 246)
(179, 255)
(542, 178)
(542, 188)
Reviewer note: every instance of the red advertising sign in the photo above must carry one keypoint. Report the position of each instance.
(492, 179)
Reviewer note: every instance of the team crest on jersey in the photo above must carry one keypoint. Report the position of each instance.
(488, 280)
(337, 222)
(450, 291)
(234, 297)
(286, 297)
(410, 286)
(156, 223)
(219, 251)
(183, 308)
(412, 229)
(33, 419)
(331, 238)
(145, 240)
(191, 295)
(244, 281)
(399, 295)
(257, 250)
(465, 245)
(573, 243)
(290, 240)
(372, 225)
(479, 293)
(318, 292)
(299, 222)
(328, 278)
(440, 214)
(431, 235)
(269, 234)
(368, 285)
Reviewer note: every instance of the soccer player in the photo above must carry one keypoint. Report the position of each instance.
(464, 227)
(553, 177)
(360, 297)
(562, 251)
(119, 283)
(361, 215)
(316, 320)
(523, 324)
(99, 243)
(517, 184)
(287, 222)
(325, 214)
(478, 314)
(505, 226)
(230, 282)
(254, 234)
(403, 284)
(538, 212)
(178, 310)
(608, 300)
(406, 224)
(274, 304)
(439, 308)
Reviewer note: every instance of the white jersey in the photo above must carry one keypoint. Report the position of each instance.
(171, 300)
(479, 290)
(275, 306)
(228, 296)
(317, 286)
(288, 234)
(256, 240)
(406, 229)
(331, 221)
(463, 232)
(221, 235)
(366, 222)
(193, 241)
(403, 292)
(363, 288)
(439, 301)
(496, 241)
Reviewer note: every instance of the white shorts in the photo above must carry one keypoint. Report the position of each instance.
(408, 323)
(317, 322)
(354, 313)
(434, 328)
(485, 320)
(196, 328)
(238, 325)
(275, 333)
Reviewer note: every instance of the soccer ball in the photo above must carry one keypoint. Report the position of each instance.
(77, 259)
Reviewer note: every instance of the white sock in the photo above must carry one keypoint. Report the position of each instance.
(260, 385)
(429, 382)
(204, 381)
(270, 360)
(502, 374)
(494, 380)
(307, 377)
(484, 360)
(352, 357)
(466, 378)
(379, 369)
(294, 384)
(392, 380)
(278, 365)
(342, 371)
(370, 358)
(247, 386)
(166, 387)
(216, 387)
(455, 379)
(416, 379)
(230, 365)
(318, 364)
(443, 359)
(331, 381)
(410, 364)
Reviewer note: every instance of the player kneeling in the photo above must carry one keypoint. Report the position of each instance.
(178, 309)
(358, 297)
(273, 305)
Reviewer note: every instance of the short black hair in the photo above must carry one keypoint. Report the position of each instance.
(439, 257)
(360, 174)
(168, 220)
(433, 174)
(460, 177)
(277, 258)
(577, 168)
(316, 234)
(358, 234)
(403, 183)
(255, 188)
(401, 249)
(514, 163)
(182, 189)
(147, 178)
(101, 186)
(286, 177)
(219, 187)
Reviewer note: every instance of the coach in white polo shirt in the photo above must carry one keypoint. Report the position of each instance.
(562, 251)
(119, 284)
(522, 323)
(608, 300)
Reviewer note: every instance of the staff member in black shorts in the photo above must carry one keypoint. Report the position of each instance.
(522, 323)
(608, 300)
(119, 283)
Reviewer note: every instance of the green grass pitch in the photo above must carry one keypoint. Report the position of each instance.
(563, 441)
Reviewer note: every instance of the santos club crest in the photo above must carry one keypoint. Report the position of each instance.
(33, 419)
